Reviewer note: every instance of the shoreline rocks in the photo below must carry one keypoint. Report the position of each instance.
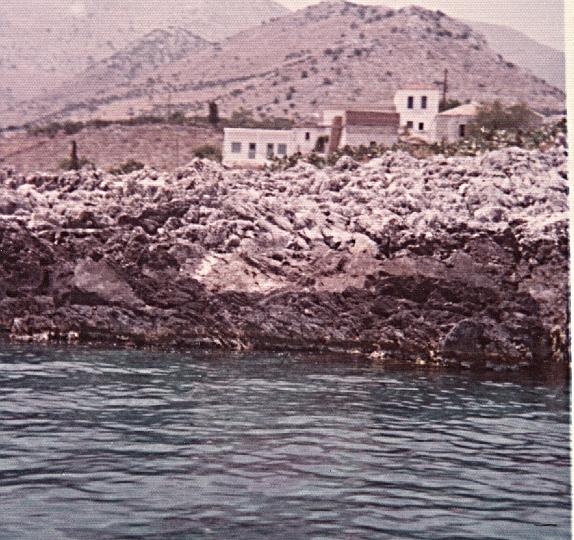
(459, 259)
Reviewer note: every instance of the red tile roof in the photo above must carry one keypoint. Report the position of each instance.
(372, 118)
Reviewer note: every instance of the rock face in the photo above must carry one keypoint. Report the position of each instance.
(445, 259)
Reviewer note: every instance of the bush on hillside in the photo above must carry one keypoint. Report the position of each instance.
(495, 116)
(533, 139)
(177, 118)
(449, 104)
(127, 167)
(68, 164)
(208, 151)
(245, 119)
(71, 128)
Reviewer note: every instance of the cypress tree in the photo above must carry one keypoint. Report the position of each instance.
(213, 113)
(74, 160)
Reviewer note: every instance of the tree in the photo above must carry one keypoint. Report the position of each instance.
(321, 143)
(449, 104)
(208, 151)
(75, 163)
(74, 160)
(177, 117)
(213, 113)
(495, 116)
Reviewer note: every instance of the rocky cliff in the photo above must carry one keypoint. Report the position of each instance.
(459, 259)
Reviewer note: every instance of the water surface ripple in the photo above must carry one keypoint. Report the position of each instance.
(119, 444)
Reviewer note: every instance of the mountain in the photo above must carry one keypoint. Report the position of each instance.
(153, 50)
(48, 41)
(545, 62)
(291, 65)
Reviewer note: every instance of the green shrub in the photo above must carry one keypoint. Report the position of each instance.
(495, 116)
(71, 128)
(244, 118)
(68, 164)
(449, 104)
(51, 129)
(208, 151)
(127, 167)
(472, 146)
(321, 144)
(177, 118)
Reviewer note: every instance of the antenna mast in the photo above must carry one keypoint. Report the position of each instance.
(445, 88)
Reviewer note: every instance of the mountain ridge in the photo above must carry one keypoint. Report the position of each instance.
(544, 61)
(48, 41)
(287, 66)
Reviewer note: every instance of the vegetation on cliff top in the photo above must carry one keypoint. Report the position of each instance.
(481, 139)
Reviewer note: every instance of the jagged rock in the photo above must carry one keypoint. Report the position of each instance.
(96, 283)
(440, 257)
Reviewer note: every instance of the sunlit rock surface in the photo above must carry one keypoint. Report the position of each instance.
(461, 259)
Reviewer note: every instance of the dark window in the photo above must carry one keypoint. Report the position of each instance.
(282, 149)
(462, 130)
(421, 126)
(236, 147)
(410, 124)
(270, 150)
(307, 136)
(252, 150)
(411, 102)
(424, 102)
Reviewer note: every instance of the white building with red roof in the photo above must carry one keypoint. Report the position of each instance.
(415, 112)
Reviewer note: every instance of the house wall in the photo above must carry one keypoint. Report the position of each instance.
(448, 127)
(330, 115)
(261, 138)
(417, 114)
(304, 145)
(364, 135)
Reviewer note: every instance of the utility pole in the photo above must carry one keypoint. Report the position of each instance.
(445, 88)
(169, 104)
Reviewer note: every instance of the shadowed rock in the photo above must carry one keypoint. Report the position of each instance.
(462, 258)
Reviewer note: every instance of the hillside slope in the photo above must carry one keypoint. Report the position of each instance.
(162, 146)
(294, 64)
(148, 53)
(47, 41)
(545, 62)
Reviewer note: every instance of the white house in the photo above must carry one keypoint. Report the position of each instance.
(256, 146)
(339, 127)
(452, 125)
(418, 106)
(415, 109)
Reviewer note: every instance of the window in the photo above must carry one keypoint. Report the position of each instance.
(270, 150)
(424, 102)
(252, 150)
(282, 149)
(410, 124)
(462, 130)
(421, 126)
(236, 147)
(411, 102)
(307, 136)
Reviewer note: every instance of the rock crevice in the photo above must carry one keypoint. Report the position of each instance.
(442, 258)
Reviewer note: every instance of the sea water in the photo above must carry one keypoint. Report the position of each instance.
(128, 444)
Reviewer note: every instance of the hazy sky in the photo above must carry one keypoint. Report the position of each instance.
(542, 20)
